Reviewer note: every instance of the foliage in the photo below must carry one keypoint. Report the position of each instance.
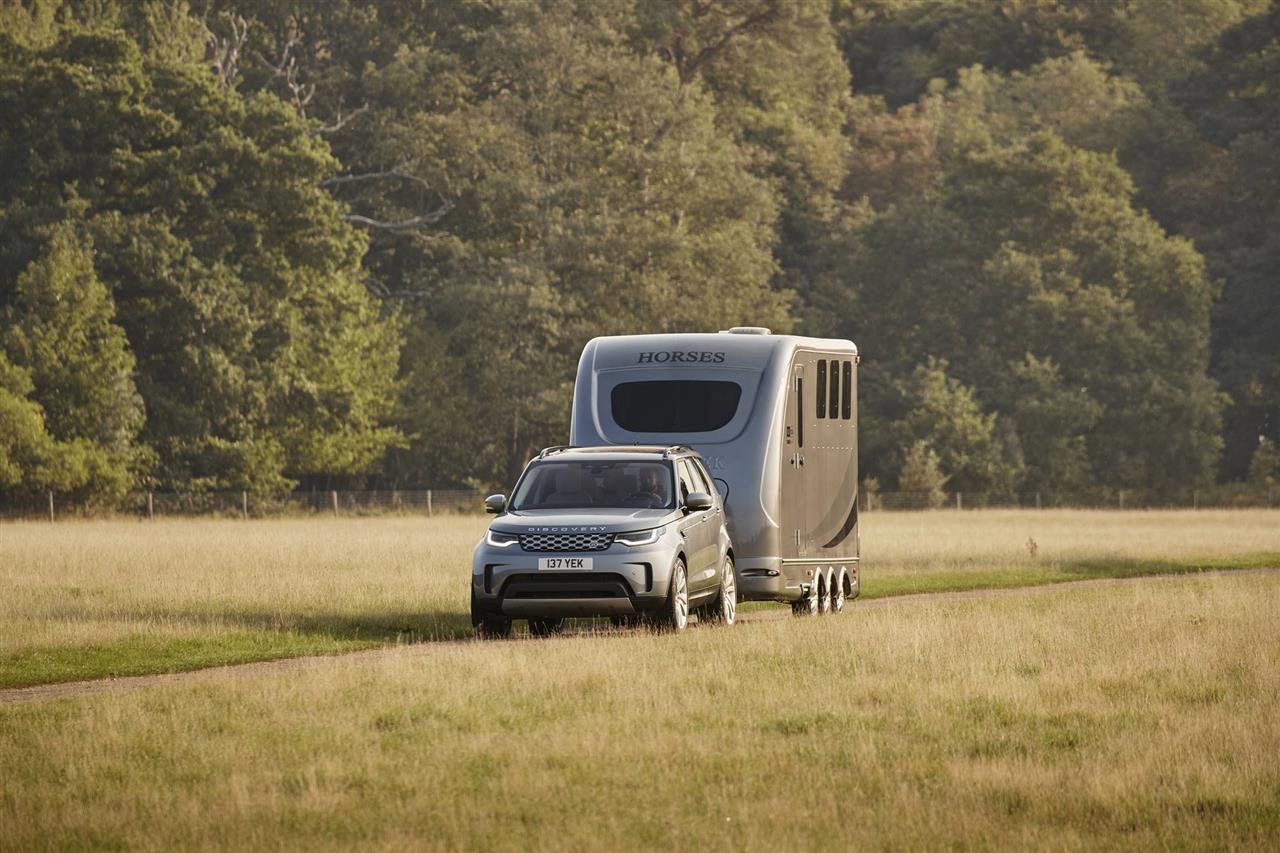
(922, 473)
(235, 281)
(61, 328)
(252, 243)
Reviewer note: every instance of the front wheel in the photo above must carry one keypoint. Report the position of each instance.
(674, 615)
(488, 625)
(724, 610)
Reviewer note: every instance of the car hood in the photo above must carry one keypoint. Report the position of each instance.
(581, 520)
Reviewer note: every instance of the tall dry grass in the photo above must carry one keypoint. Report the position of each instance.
(103, 597)
(1142, 716)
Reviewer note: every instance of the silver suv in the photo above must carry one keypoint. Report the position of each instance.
(633, 533)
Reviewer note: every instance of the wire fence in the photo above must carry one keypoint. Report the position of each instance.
(1232, 496)
(424, 502)
(442, 502)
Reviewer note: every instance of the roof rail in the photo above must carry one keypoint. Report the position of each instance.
(676, 448)
(555, 448)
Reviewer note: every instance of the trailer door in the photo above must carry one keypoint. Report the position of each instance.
(793, 498)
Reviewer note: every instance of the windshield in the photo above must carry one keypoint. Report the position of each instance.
(610, 485)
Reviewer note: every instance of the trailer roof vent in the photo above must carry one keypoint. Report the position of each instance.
(747, 330)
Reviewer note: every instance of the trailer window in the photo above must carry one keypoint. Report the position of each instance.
(822, 389)
(835, 389)
(846, 391)
(675, 405)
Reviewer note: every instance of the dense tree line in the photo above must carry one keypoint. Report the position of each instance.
(256, 243)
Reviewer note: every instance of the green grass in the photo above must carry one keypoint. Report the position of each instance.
(1134, 717)
(1022, 576)
(101, 599)
(149, 655)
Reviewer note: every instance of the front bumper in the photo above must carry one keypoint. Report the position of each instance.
(622, 581)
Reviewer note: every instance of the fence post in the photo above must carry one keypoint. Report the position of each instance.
(1122, 498)
(1037, 500)
(334, 495)
(959, 503)
(428, 503)
(51, 506)
(1195, 498)
(244, 505)
(151, 506)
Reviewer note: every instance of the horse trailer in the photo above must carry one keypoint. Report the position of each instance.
(775, 419)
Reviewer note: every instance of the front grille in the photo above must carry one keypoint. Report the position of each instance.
(566, 585)
(566, 541)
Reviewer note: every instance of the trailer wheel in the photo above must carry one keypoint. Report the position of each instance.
(724, 610)
(545, 627)
(824, 593)
(674, 615)
(838, 591)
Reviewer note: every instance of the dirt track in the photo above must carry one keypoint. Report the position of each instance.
(76, 689)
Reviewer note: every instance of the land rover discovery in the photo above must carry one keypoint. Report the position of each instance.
(632, 533)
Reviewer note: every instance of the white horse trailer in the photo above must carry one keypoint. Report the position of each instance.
(775, 418)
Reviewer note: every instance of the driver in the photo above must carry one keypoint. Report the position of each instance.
(650, 490)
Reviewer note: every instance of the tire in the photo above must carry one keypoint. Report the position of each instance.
(674, 615)
(824, 593)
(493, 628)
(724, 610)
(837, 591)
(488, 625)
(545, 627)
(807, 606)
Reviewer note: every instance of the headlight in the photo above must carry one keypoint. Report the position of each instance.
(501, 540)
(640, 537)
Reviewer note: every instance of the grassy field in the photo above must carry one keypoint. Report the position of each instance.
(91, 599)
(1137, 716)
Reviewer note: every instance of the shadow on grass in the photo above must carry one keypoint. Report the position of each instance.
(238, 636)
(1132, 568)
(1033, 574)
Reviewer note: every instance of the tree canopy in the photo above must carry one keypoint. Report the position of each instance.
(258, 243)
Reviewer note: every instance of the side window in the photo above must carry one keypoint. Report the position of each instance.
(686, 480)
(822, 389)
(799, 411)
(835, 389)
(701, 479)
(846, 391)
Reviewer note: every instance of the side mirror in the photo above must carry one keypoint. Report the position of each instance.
(698, 502)
(495, 504)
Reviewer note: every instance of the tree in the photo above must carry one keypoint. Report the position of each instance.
(1235, 103)
(1033, 247)
(969, 446)
(260, 354)
(61, 328)
(921, 473)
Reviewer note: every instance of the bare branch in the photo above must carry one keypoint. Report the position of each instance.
(286, 68)
(338, 180)
(688, 67)
(404, 225)
(343, 119)
(226, 50)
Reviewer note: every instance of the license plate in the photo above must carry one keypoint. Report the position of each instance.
(564, 564)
